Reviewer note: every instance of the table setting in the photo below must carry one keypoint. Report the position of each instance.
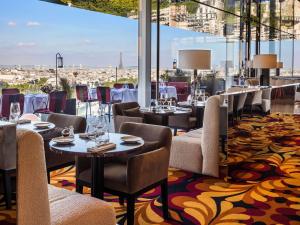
(97, 143)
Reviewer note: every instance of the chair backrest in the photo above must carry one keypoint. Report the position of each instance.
(210, 135)
(241, 101)
(103, 95)
(7, 91)
(266, 93)
(32, 188)
(257, 98)
(57, 101)
(230, 103)
(118, 108)
(82, 92)
(7, 99)
(252, 82)
(118, 85)
(7, 146)
(64, 120)
(154, 136)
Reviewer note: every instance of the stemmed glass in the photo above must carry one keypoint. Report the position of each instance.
(15, 111)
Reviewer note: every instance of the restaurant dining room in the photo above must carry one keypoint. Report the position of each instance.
(138, 112)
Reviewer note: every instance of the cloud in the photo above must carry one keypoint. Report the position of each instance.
(87, 41)
(11, 24)
(26, 44)
(33, 24)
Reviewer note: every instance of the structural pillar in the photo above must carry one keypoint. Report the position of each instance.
(144, 59)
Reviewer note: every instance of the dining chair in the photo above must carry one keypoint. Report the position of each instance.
(57, 161)
(254, 99)
(8, 159)
(39, 203)
(7, 99)
(82, 93)
(239, 106)
(56, 104)
(198, 151)
(185, 122)
(266, 100)
(140, 173)
(126, 112)
(104, 98)
(7, 91)
(118, 85)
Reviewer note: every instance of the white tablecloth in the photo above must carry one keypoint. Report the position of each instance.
(170, 90)
(123, 94)
(35, 101)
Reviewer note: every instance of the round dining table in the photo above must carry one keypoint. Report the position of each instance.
(80, 147)
(30, 126)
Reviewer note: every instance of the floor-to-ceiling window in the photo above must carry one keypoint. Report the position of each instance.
(233, 30)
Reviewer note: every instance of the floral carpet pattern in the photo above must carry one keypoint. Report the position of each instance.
(262, 187)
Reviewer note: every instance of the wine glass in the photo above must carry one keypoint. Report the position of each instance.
(15, 111)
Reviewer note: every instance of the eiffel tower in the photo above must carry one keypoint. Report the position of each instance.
(121, 62)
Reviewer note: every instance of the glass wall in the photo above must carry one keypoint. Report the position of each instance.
(233, 30)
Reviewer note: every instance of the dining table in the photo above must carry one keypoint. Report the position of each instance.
(31, 126)
(81, 146)
(164, 112)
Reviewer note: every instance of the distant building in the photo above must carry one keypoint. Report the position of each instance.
(121, 62)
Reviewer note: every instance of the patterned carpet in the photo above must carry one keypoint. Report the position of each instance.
(264, 184)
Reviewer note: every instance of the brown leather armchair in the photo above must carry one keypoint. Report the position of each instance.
(140, 173)
(126, 112)
(184, 122)
(56, 161)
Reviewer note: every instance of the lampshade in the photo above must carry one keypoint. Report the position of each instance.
(265, 61)
(194, 59)
(279, 65)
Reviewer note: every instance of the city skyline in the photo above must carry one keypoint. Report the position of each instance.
(94, 39)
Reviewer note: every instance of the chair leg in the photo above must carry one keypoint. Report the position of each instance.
(130, 210)
(79, 188)
(175, 131)
(86, 110)
(121, 200)
(7, 189)
(164, 198)
(109, 111)
(48, 177)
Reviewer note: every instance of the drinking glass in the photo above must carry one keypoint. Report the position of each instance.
(15, 111)
(105, 136)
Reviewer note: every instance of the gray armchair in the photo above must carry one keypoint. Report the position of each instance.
(141, 172)
(126, 112)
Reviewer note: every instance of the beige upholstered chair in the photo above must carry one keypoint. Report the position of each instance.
(39, 203)
(266, 100)
(198, 151)
(126, 112)
(254, 99)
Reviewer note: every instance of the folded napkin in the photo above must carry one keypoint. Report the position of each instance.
(102, 148)
(23, 121)
(84, 135)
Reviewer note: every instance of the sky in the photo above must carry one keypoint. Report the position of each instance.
(33, 31)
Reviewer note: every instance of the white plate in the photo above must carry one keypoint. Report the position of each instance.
(41, 125)
(63, 140)
(130, 139)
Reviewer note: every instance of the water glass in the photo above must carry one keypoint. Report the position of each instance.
(15, 111)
